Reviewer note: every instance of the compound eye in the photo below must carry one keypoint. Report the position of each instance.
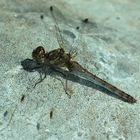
(38, 54)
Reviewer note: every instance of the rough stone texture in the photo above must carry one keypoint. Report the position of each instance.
(109, 47)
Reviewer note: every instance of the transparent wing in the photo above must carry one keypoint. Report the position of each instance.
(57, 29)
(65, 34)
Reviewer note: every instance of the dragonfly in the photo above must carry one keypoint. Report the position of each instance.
(60, 58)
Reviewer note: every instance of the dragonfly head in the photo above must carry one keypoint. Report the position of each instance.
(38, 54)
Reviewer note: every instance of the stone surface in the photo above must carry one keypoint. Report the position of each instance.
(108, 46)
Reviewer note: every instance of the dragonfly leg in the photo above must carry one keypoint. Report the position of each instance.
(67, 88)
(40, 79)
(64, 86)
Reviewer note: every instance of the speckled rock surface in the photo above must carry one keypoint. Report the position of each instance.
(108, 46)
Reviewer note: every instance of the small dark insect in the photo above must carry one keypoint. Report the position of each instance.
(77, 28)
(41, 16)
(51, 114)
(22, 98)
(38, 126)
(51, 8)
(5, 113)
(86, 20)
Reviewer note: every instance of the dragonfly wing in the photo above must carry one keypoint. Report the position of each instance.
(65, 37)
